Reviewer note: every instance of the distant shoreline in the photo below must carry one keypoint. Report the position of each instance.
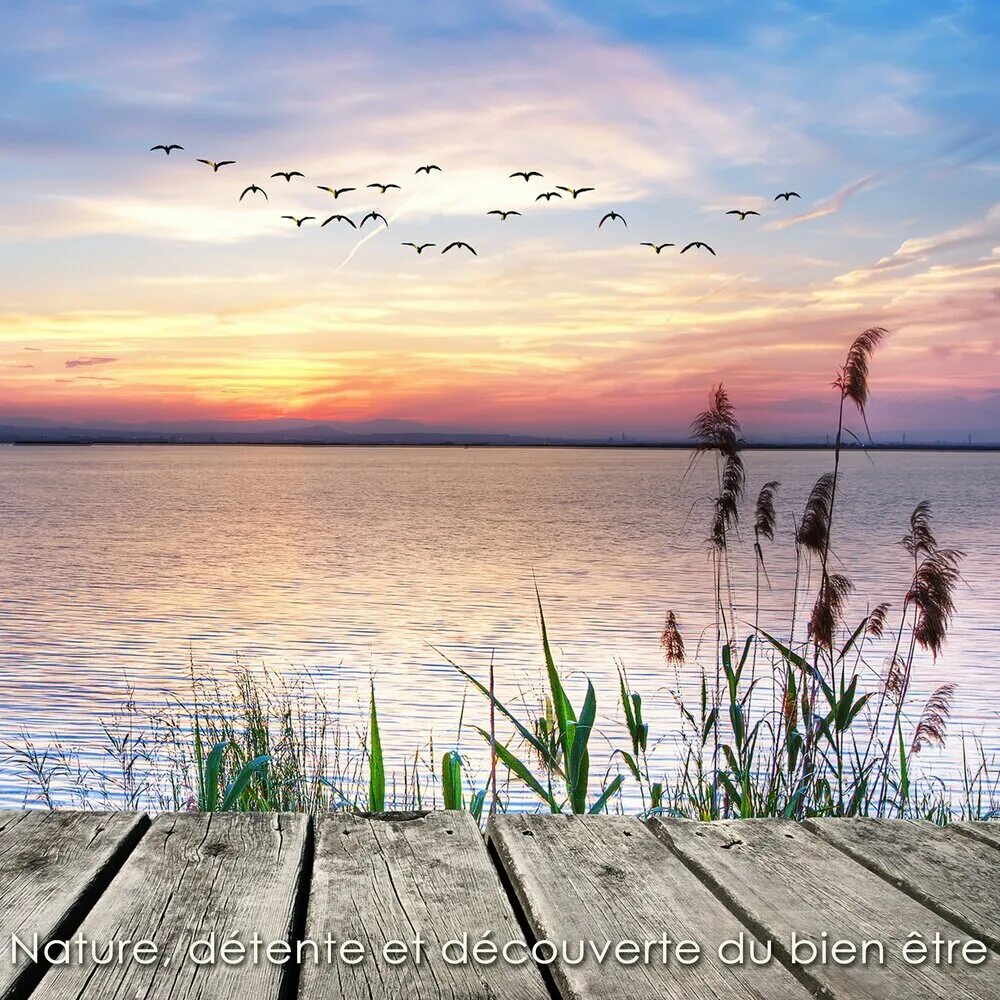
(451, 444)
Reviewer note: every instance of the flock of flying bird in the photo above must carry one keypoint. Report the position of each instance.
(503, 215)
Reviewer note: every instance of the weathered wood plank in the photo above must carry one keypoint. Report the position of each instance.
(389, 879)
(604, 878)
(951, 874)
(987, 832)
(193, 874)
(782, 879)
(53, 866)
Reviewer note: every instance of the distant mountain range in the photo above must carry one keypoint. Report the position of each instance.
(383, 431)
(280, 431)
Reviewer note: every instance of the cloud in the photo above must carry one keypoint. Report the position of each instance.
(967, 236)
(88, 362)
(828, 206)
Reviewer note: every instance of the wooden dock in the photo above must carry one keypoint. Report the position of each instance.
(276, 907)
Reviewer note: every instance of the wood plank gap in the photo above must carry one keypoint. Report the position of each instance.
(983, 831)
(745, 916)
(22, 980)
(782, 879)
(911, 855)
(521, 916)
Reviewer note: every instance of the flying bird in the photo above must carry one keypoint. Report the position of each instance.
(658, 246)
(575, 192)
(339, 218)
(548, 195)
(298, 222)
(787, 195)
(253, 189)
(742, 215)
(166, 148)
(336, 192)
(426, 170)
(460, 243)
(526, 174)
(419, 247)
(215, 166)
(288, 174)
(383, 187)
(374, 216)
(612, 216)
(698, 243)
(503, 215)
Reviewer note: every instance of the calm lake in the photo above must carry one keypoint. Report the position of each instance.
(125, 562)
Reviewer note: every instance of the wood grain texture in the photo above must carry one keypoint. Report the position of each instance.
(605, 878)
(53, 867)
(192, 874)
(986, 832)
(377, 880)
(781, 878)
(953, 875)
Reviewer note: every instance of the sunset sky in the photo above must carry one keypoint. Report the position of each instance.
(136, 287)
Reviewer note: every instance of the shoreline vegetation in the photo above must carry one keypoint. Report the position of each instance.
(820, 720)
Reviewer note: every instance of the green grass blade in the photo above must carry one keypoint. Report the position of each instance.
(239, 784)
(521, 770)
(210, 787)
(600, 805)
(376, 773)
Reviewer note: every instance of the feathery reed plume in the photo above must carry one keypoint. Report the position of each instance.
(920, 539)
(814, 528)
(852, 379)
(672, 641)
(764, 522)
(764, 515)
(828, 611)
(876, 620)
(727, 503)
(933, 725)
(718, 429)
(894, 678)
(932, 593)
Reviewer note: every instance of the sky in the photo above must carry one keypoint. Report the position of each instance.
(138, 288)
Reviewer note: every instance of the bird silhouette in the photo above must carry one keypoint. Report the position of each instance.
(253, 189)
(298, 222)
(503, 215)
(526, 174)
(698, 243)
(383, 187)
(215, 166)
(548, 195)
(787, 195)
(419, 247)
(166, 148)
(612, 216)
(288, 174)
(374, 216)
(339, 218)
(575, 192)
(426, 170)
(658, 246)
(460, 243)
(741, 214)
(336, 192)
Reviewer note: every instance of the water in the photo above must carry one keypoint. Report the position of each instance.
(125, 561)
